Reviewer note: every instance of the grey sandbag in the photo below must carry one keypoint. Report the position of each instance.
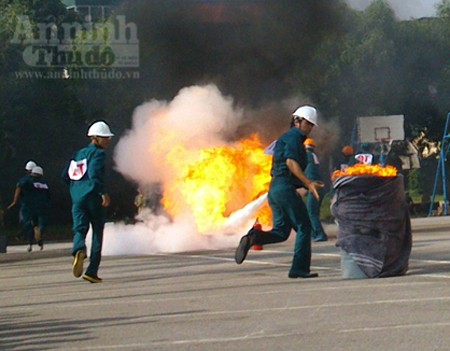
(374, 223)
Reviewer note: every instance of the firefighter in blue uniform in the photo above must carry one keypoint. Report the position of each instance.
(85, 175)
(33, 192)
(288, 209)
(17, 193)
(314, 172)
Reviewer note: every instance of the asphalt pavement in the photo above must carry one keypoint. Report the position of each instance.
(204, 301)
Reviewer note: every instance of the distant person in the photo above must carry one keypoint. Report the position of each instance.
(85, 176)
(346, 160)
(365, 156)
(16, 198)
(39, 207)
(33, 193)
(28, 167)
(289, 210)
(314, 172)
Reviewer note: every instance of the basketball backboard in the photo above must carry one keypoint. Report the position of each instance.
(375, 129)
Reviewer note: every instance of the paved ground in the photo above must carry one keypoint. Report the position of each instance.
(204, 301)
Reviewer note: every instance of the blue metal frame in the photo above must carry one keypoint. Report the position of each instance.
(441, 171)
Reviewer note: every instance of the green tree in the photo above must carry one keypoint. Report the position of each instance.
(352, 71)
(444, 8)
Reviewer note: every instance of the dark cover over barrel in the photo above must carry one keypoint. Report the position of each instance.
(374, 223)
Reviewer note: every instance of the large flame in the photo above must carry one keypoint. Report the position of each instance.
(214, 182)
(366, 170)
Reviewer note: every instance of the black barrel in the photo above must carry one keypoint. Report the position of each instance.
(374, 224)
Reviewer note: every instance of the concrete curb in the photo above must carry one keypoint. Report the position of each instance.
(22, 256)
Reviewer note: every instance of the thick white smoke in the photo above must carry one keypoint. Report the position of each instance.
(197, 117)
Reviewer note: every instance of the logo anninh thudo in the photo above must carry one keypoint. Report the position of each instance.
(111, 44)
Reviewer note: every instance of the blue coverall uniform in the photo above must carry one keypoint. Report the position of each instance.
(313, 172)
(23, 196)
(34, 205)
(288, 209)
(85, 174)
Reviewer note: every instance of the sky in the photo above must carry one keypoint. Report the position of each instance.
(404, 9)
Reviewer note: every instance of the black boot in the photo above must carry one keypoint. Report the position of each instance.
(245, 244)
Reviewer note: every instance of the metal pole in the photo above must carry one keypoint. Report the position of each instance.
(444, 180)
(441, 169)
(438, 170)
(436, 179)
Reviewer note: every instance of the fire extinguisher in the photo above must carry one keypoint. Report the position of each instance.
(257, 226)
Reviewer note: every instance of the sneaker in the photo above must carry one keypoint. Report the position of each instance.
(92, 278)
(77, 266)
(29, 248)
(244, 245)
(41, 245)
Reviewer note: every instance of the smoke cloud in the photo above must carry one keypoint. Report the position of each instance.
(198, 117)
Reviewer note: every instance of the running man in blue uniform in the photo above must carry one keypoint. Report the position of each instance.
(85, 175)
(33, 193)
(17, 193)
(289, 211)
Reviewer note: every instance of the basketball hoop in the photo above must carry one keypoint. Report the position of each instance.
(382, 134)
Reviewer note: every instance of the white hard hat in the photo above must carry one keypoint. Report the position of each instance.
(100, 129)
(37, 170)
(307, 112)
(30, 165)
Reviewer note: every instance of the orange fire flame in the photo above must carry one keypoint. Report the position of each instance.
(214, 182)
(366, 170)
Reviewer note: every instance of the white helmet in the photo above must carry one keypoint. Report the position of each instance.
(30, 165)
(100, 129)
(307, 112)
(37, 170)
